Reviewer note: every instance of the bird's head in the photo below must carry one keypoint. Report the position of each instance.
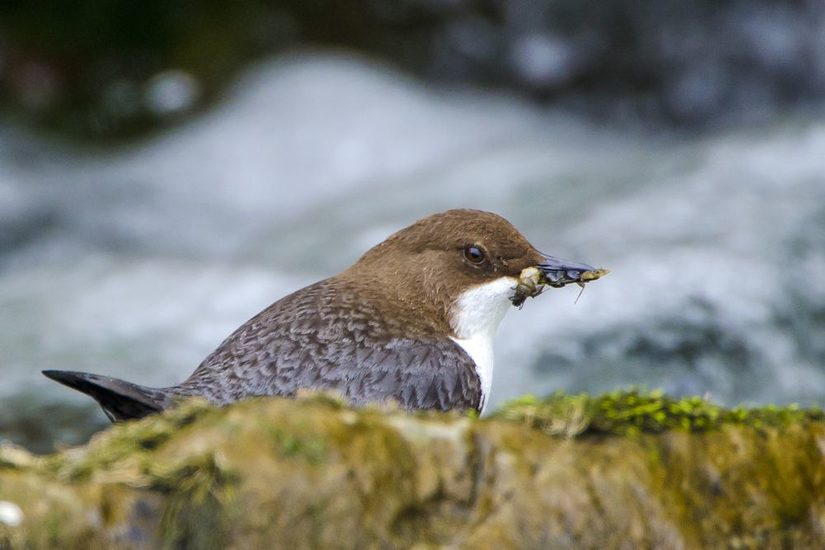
(464, 268)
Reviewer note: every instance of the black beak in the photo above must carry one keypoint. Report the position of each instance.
(558, 273)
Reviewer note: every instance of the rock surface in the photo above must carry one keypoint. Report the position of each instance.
(622, 470)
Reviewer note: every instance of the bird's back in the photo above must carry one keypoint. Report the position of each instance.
(336, 335)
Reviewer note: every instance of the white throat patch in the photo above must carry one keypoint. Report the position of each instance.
(475, 319)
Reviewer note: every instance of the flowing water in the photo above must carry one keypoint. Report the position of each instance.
(136, 261)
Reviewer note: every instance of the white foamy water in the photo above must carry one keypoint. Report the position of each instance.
(137, 262)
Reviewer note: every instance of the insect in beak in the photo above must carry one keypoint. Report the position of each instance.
(556, 273)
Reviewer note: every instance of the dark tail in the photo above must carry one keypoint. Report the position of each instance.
(120, 400)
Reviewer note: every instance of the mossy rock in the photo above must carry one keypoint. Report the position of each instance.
(629, 470)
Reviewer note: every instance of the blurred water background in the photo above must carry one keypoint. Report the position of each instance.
(168, 169)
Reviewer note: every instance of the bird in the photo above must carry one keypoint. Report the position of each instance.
(411, 322)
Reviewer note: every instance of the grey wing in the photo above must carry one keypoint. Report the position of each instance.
(435, 375)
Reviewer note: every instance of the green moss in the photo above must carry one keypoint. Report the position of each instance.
(310, 448)
(635, 411)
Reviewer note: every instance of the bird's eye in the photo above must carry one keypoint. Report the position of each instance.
(474, 254)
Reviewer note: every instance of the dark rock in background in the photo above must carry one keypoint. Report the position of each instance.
(27, 421)
(100, 68)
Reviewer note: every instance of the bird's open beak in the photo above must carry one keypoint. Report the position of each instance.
(558, 273)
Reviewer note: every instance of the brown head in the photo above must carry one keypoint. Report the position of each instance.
(458, 269)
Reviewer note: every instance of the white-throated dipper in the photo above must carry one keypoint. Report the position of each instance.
(412, 321)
